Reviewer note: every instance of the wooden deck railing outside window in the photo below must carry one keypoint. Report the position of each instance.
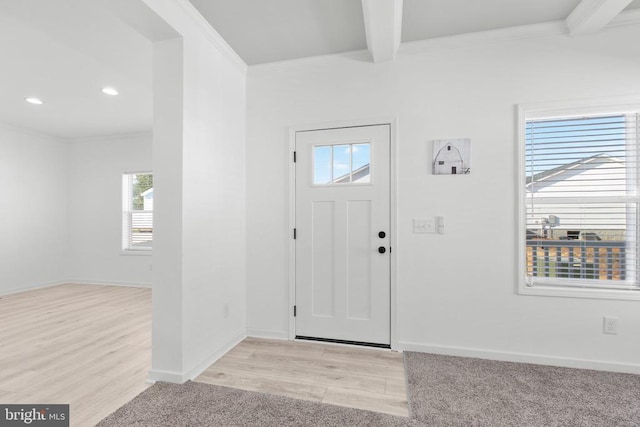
(576, 259)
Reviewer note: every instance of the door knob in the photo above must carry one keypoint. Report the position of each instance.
(382, 234)
(382, 249)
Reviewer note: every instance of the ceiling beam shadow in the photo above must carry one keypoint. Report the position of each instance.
(591, 16)
(383, 27)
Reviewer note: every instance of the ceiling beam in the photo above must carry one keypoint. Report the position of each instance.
(592, 15)
(383, 27)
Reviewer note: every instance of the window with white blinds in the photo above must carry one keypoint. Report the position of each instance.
(581, 201)
(137, 211)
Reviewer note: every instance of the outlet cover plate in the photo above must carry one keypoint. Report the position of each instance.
(610, 325)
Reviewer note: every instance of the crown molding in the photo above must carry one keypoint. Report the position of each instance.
(545, 29)
(362, 55)
(521, 32)
(30, 132)
(109, 137)
(34, 133)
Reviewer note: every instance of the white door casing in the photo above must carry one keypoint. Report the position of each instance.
(342, 281)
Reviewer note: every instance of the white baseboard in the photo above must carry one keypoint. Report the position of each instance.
(266, 333)
(202, 366)
(72, 282)
(566, 362)
(165, 376)
(31, 288)
(182, 377)
(125, 284)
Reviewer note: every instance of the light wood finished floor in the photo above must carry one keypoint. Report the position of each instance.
(88, 346)
(347, 376)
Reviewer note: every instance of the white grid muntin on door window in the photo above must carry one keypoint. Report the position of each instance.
(340, 164)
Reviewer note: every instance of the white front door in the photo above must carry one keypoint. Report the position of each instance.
(342, 234)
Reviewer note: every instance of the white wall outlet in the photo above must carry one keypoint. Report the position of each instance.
(610, 325)
(225, 310)
(427, 225)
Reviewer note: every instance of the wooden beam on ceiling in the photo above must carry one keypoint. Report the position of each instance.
(383, 27)
(592, 15)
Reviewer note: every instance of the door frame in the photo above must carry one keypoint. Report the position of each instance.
(393, 211)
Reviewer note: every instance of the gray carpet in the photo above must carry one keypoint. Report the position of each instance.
(443, 391)
(198, 404)
(458, 391)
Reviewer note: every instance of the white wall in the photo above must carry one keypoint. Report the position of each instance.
(199, 165)
(60, 211)
(167, 326)
(457, 291)
(213, 203)
(33, 210)
(95, 209)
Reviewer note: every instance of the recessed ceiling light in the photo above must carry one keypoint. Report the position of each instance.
(110, 91)
(32, 100)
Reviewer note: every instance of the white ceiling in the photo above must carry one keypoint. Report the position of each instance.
(425, 19)
(273, 30)
(65, 51)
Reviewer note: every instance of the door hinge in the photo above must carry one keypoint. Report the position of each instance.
(294, 311)
(295, 234)
(294, 157)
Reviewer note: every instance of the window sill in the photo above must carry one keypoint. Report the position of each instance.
(568, 292)
(137, 253)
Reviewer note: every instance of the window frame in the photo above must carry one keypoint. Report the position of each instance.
(125, 225)
(548, 110)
